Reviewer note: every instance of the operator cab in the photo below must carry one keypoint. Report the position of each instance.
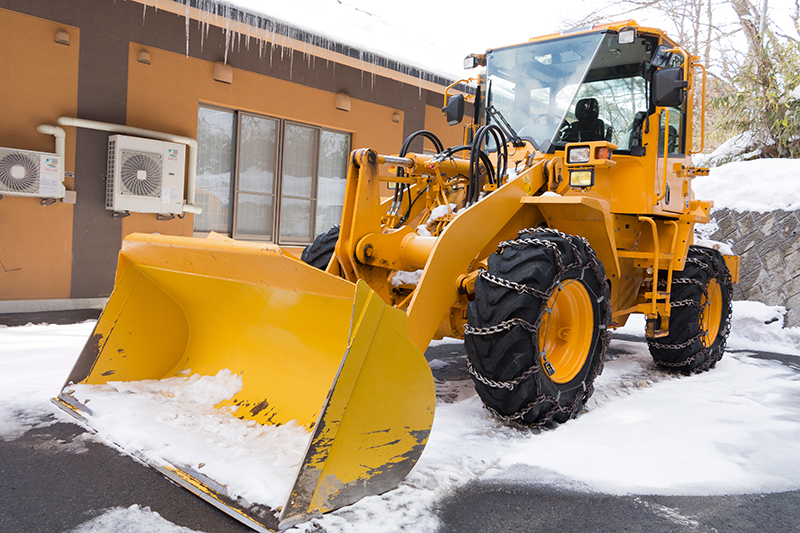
(580, 87)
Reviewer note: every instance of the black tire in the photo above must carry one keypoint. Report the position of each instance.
(695, 341)
(318, 254)
(511, 308)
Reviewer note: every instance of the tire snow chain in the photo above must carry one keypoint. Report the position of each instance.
(605, 336)
(684, 303)
(711, 358)
(501, 384)
(725, 280)
(519, 287)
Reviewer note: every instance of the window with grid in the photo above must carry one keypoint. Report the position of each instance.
(268, 179)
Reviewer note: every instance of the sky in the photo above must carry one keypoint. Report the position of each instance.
(438, 35)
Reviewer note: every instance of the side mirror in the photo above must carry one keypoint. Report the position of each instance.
(668, 87)
(454, 110)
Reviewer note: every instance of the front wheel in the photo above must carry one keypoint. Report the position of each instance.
(700, 314)
(318, 254)
(537, 332)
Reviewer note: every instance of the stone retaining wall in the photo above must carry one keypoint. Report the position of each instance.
(769, 244)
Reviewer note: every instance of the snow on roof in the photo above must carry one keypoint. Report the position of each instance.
(337, 27)
(433, 37)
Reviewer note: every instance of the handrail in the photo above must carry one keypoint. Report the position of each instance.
(703, 112)
(468, 97)
(663, 194)
(654, 304)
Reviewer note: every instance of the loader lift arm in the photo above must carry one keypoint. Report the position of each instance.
(366, 250)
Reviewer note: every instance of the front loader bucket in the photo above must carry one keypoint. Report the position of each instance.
(311, 350)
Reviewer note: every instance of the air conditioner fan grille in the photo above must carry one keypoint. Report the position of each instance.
(19, 173)
(140, 174)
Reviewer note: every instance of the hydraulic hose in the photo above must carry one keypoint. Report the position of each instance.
(399, 192)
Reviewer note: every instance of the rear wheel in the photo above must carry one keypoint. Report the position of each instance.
(318, 254)
(700, 314)
(536, 333)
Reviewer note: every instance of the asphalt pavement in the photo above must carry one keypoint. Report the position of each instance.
(54, 478)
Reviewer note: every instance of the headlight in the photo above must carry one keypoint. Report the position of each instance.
(626, 36)
(579, 154)
(581, 178)
(474, 60)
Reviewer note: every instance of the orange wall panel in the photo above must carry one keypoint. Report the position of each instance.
(40, 84)
(165, 94)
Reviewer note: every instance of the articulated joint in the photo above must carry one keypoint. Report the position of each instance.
(401, 249)
(359, 156)
(466, 283)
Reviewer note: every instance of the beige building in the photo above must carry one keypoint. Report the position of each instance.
(274, 125)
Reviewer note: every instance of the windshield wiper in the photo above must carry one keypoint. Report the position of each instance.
(503, 123)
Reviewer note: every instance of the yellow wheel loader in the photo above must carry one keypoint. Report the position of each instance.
(568, 208)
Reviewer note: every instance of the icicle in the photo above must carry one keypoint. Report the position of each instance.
(361, 64)
(144, 11)
(187, 29)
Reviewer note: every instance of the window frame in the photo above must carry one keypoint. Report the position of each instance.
(275, 236)
(235, 189)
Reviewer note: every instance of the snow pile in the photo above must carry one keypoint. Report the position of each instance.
(762, 185)
(723, 248)
(757, 326)
(715, 433)
(738, 148)
(441, 211)
(34, 363)
(402, 277)
(134, 519)
(174, 420)
(754, 326)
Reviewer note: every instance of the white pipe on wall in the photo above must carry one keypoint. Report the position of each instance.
(191, 178)
(59, 134)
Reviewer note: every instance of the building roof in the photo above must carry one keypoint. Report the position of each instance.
(330, 30)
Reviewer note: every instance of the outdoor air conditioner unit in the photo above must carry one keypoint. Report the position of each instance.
(27, 173)
(144, 175)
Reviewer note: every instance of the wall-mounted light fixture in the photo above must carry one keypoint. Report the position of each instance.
(223, 72)
(396, 117)
(144, 57)
(342, 101)
(62, 37)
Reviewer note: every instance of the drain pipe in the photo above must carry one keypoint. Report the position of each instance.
(191, 178)
(59, 134)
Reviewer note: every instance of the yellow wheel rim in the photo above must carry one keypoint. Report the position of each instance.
(565, 334)
(712, 312)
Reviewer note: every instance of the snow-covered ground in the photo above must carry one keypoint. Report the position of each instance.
(735, 429)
